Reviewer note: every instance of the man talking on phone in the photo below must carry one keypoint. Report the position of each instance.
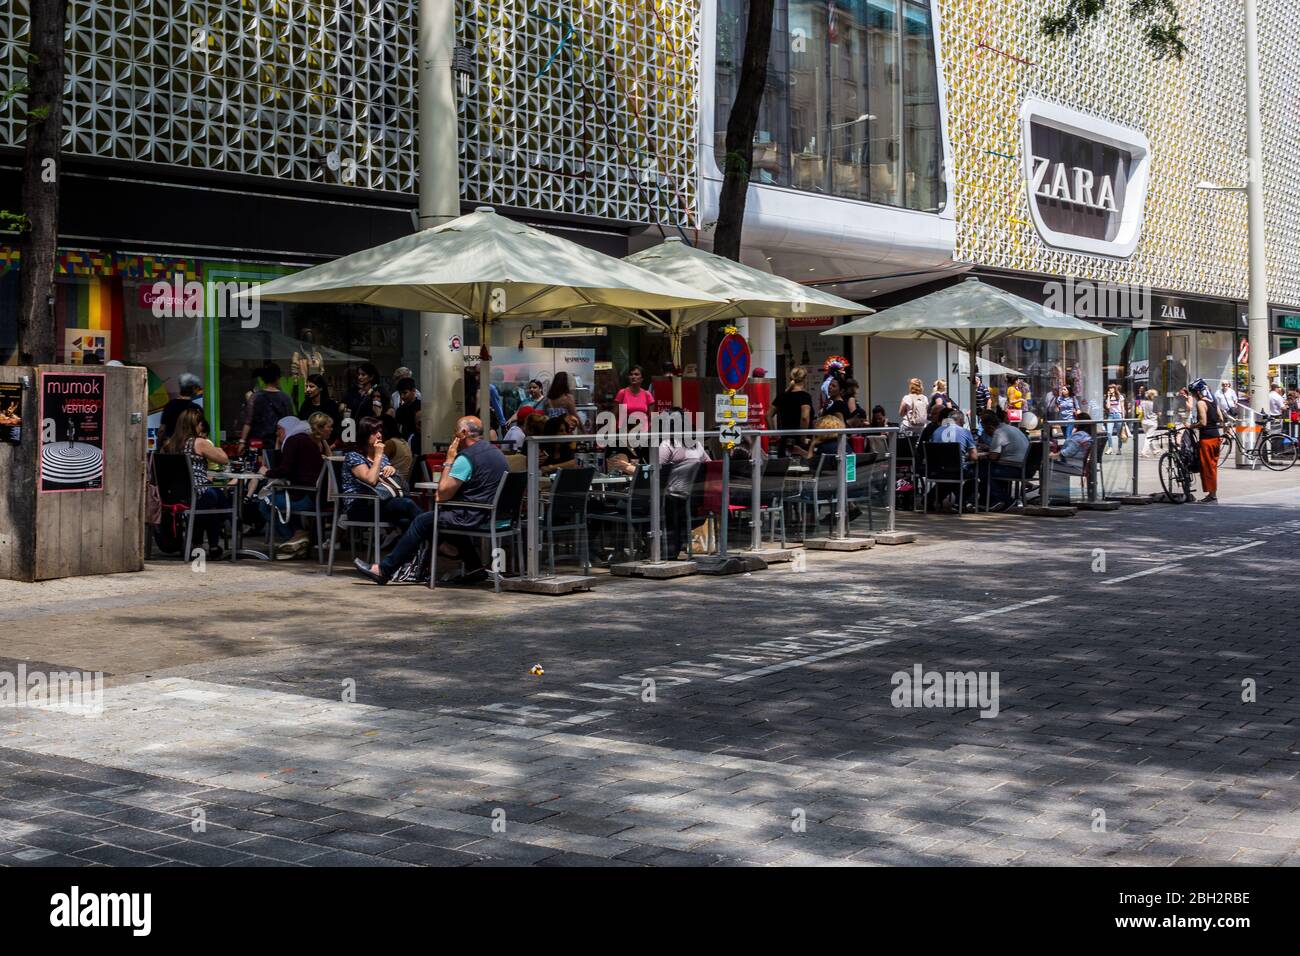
(471, 473)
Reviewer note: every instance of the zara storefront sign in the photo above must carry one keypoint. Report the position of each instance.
(1086, 179)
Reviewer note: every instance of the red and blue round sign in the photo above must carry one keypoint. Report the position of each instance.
(733, 361)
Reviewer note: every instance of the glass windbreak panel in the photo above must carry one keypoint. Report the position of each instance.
(923, 150)
(851, 104)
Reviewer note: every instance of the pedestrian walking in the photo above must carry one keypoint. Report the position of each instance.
(1114, 413)
(913, 410)
(1150, 421)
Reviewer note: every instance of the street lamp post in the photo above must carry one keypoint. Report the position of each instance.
(441, 367)
(1257, 327)
(1257, 306)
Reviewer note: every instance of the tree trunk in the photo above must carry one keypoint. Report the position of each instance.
(740, 130)
(40, 189)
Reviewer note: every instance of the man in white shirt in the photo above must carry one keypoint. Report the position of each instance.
(1276, 400)
(1227, 398)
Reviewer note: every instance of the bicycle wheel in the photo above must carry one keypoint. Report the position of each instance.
(1173, 477)
(1278, 452)
(1226, 446)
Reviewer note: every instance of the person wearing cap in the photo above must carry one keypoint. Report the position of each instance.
(190, 391)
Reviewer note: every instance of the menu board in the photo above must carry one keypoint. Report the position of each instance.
(11, 413)
(72, 431)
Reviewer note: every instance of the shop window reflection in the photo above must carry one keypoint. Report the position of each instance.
(851, 106)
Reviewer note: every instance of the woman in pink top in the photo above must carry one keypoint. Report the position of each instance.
(635, 398)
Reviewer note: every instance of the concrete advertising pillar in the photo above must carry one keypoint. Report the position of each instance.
(441, 367)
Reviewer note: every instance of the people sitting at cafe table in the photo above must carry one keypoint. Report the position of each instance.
(559, 454)
(1000, 458)
(322, 432)
(191, 440)
(1071, 457)
(365, 467)
(300, 462)
(471, 473)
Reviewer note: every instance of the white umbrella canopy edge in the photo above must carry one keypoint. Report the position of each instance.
(488, 268)
(749, 293)
(971, 314)
(1286, 358)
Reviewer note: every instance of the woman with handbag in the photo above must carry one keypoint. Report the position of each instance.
(366, 469)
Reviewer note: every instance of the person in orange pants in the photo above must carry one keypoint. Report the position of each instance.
(1207, 420)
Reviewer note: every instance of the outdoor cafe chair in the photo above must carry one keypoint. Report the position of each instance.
(1028, 471)
(819, 488)
(505, 511)
(341, 521)
(943, 466)
(567, 511)
(629, 509)
(179, 496)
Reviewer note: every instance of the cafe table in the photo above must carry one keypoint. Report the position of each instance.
(243, 482)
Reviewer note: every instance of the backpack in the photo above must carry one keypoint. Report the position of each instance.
(916, 411)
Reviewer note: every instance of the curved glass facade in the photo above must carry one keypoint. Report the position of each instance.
(851, 106)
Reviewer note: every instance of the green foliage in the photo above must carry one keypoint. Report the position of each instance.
(12, 221)
(1162, 30)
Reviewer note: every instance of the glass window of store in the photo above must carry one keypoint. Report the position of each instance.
(851, 106)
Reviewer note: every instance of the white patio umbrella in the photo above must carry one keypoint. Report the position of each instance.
(489, 268)
(970, 315)
(1286, 358)
(748, 292)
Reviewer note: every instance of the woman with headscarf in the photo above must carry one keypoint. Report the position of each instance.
(299, 464)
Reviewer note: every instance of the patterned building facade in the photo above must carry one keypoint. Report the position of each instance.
(1193, 112)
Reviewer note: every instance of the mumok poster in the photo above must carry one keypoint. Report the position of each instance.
(72, 431)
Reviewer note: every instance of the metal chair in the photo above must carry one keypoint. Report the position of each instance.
(319, 510)
(630, 509)
(341, 521)
(1028, 470)
(503, 521)
(566, 510)
(943, 466)
(176, 489)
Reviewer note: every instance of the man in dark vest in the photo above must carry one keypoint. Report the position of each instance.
(472, 472)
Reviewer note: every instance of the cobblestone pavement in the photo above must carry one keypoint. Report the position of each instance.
(703, 721)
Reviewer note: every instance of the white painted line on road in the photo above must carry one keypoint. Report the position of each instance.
(811, 659)
(1210, 554)
(1240, 547)
(1003, 610)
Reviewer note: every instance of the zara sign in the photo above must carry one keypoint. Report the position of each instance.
(1086, 179)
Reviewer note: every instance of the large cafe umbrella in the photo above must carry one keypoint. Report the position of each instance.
(489, 268)
(971, 315)
(748, 292)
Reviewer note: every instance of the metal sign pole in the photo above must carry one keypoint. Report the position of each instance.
(534, 506)
(756, 498)
(1096, 469)
(725, 507)
(891, 493)
(1044, 467)
(655, 511)
(1134, 445)
(842, 489)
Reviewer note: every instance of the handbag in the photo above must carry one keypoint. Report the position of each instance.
(389, 487)
(152, 498)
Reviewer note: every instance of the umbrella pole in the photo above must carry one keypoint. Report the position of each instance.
(484, 378)
(974, 371)
(675, 347)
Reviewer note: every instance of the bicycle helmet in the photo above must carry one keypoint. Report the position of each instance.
(1198, 387)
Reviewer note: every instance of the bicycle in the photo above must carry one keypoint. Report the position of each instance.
(1275, 450)
(1175, 465)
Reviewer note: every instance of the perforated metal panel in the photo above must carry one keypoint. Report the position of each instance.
(578, 108)
(1193, 112)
